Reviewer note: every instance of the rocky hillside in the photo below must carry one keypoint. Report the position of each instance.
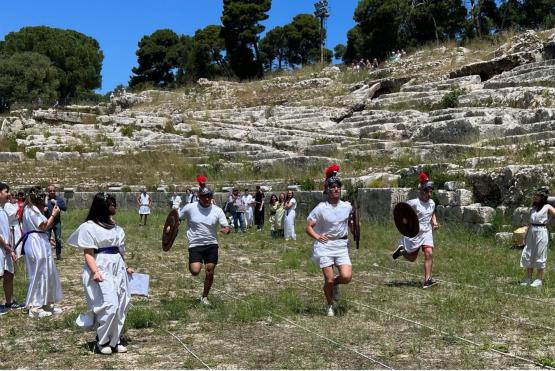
(478, 112)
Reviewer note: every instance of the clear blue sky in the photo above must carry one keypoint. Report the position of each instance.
(118, 25)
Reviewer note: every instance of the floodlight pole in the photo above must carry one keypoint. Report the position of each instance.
(322, 12)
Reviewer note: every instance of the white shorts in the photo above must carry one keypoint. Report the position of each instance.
(6, 262)
(327, 261)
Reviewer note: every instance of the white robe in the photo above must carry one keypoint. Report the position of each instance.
(534, 254)
(249, 214)
(44, 282)
(108, 301)
(289, 221)
(15, 227)
(144, 200)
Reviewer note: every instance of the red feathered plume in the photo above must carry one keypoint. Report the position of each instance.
(331, 170)
(201, 179)
(423, 177)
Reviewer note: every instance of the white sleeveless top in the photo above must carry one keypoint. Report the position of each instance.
(540, 216)
(144, 199)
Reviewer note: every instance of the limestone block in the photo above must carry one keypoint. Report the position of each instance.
(502, 211)
(454, 185)
(446, 198)
(454, 214)
(475, 214)
(440, 212)
(480, 228)
(463, 197)
(503, 237)
(379, 202)
(8, 157)
(521, 216)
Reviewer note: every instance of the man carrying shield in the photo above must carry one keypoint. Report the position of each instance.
(328, 224)
(203, 218)
(424, 207)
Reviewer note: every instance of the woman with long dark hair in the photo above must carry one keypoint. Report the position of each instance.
(289, 220)
(534, 254)
(104, 273)
(44, 288)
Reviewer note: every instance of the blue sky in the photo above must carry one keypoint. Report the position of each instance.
(118, 25)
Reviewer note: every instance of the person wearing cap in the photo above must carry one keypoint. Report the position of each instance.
(534, 254)
(328, 224)
(203, 219)
(424, 207)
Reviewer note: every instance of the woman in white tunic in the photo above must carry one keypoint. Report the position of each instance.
(328, 224)
(289, 218)
(44, 288)
(424, 207)
(534, 254)
(144, 202)
(104, 274)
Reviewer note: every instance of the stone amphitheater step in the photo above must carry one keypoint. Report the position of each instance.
(519, 139)
(532, 74)
(405, 100)
(448, 84)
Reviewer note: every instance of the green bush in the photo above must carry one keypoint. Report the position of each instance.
(127, 131)
(451, 99)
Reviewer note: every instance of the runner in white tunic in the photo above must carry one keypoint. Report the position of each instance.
(104, 274)
(329, 224)
(144, 202)
(425, 211)
(44, 288)
(534, 254)
(203, 218)
(7, 254)
(289, 218)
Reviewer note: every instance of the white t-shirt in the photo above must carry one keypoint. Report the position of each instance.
(11, 210)
(4, 226)
(203, 223)
(331, 220)
(90, 235)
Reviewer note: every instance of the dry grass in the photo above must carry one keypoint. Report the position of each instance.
(267, 291)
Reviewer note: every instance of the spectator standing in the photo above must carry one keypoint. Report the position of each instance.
(52, 200)
(176, 201)
(259, 208)
(289, 221)
(144, 201)
(248, 200)
(237, 210)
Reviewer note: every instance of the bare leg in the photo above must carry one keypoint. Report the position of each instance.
(529, 272)
(146, 215)
(195, 268)
(428, 262)
(8, 286)
(410, 256)
(329, 279)
(345, 275)
(209, 269)
(539, 272)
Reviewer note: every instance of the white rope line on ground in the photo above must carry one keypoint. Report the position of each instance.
(470, 286)
(421, 325)
(294, 324)
(189, 350)
(185, 346)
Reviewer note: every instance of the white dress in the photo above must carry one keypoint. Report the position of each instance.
(15, 228)
(6, 261)
(424, 212)
(108, 301)
(289, 221)
(534, 254)
(249, 214)
(144, 201)
(44, 281)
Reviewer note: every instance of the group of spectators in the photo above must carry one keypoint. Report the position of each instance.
(396, 55)
(364, 64)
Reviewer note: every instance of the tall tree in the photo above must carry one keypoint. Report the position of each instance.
(339, 51)
(207, 53)
(538, 13)
(273, 47)
(27, 77)
(241, 29)
(303, 39)
(158, 56)
(76, 57)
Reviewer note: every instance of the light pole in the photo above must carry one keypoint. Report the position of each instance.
(322, 12)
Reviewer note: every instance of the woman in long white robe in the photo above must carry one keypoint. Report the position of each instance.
(44, 288)
(104, 275)
(289, 219)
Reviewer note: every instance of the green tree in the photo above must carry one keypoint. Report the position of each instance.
(510, 14)
(207, 53)
(339, 51)
(76, 57)
(241, 29)
(538, 13)
(273, 46)
(303, 39)
(27, 77)
(158, 56)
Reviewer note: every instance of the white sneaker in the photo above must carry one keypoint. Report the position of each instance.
(336, 293)
(537, 283)
(204, 301)
(120, 349)
(104, 349)
(329, 311)
(39, 313)
(526, 281)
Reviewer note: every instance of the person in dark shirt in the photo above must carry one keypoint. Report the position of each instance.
(52, 200)
(259, 208)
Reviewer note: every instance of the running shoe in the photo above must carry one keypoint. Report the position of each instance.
(429, 283)
(398, 251)
(329, 311)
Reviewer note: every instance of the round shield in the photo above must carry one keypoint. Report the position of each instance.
(406, 220)
(171, 228)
